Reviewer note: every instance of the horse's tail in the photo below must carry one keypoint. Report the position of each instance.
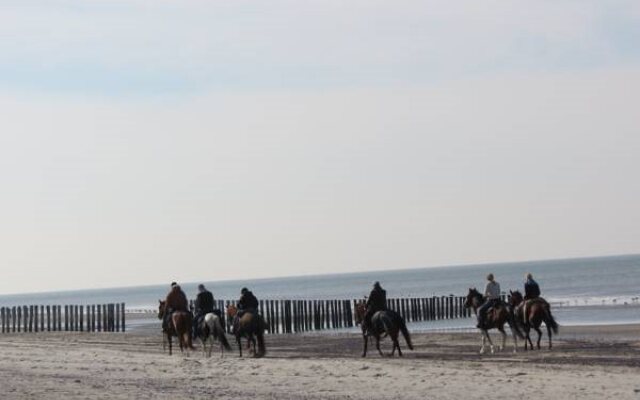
(511, 320)
(217, 331)
(405, 333)
(262, 349)
(549, 320)
(223, 339)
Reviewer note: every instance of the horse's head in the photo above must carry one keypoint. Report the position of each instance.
(515, 298)
(232, 310)
(473, 299)
(360, 311)
(161, 308)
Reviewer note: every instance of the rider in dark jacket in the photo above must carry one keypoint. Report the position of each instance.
(247, 303)
(203, 305)
(377, 301)
(531, 292)
(176, 301)
(531, 288)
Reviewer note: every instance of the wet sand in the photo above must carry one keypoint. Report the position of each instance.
(597, 362)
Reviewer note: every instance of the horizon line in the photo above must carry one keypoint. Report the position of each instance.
(327, 274)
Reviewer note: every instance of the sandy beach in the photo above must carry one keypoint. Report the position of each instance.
(586, 363)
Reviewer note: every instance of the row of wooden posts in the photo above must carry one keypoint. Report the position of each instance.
(79, 318)
(282, 316)
(292, 316)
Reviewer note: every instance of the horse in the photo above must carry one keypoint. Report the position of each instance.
(179, 326)
(496, 318)
(251, 326)
(383, 323)
(210, 329)
(538, 311)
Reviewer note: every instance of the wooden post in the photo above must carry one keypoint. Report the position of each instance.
(66, 318)
(54, 309)
(92, 317)
(122, 316)
(99, 317)
(48, 310)
(30, 311)
(315, 315)
(273, 310)
(105, 327)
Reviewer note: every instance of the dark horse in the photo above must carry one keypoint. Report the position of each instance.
(496, 318)
(538, 311)
(210, 329)
(179, 326)
(252, 327)
(387, 323)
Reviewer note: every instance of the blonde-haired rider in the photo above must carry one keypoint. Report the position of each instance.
(492, 298)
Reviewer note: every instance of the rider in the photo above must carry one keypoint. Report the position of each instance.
(248, 303)
(531, 292)
(377, 301)
(531, 288)
(203, 305)
(492, 299)
(176, 301)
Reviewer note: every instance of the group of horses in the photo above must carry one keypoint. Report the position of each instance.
(211, 328)
(384, 323)
(519, 318)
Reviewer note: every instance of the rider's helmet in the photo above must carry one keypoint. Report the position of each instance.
(201, 287)
(490, 277)
(528, 276)
(244, 290)
(173, 284)
(376, 285)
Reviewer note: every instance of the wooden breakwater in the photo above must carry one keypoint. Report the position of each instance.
(68, 318)
(294, 316)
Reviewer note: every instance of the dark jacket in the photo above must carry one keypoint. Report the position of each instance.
(204, 302)
(248, 302)
(531, 289)
(377, 300)
(177, 300)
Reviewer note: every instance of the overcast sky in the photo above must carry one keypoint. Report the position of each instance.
(148, 141)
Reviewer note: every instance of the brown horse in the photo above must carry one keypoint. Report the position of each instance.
(383, 323)
(250, 326)
(179, 326)
(496, 318)
(538, 311)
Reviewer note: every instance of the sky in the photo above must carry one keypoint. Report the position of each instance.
(143, 142)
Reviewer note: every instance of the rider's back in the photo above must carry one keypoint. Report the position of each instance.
(177, 300)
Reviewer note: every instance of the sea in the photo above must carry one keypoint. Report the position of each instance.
(582, 291)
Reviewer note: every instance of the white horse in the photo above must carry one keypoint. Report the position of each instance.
(210, 330)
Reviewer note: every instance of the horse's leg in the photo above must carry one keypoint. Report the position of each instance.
(549, 335)
(529, 337)
(170, 344)
(504, 338)
(537, 328)
(239, 342)
(378, 345)
(396, 344)
(486, 334)
(484, 340)
(366, 342)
